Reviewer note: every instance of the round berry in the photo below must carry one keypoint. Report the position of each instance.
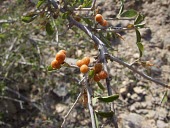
(86, 60)
(60, 57)
(79, 63)
(63, 51)
(55, 64)
(104, 23)
(98, 67)
(103, 75)
(96, 78)
(99, 18)
(84, 68)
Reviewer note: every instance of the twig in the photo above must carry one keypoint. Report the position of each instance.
(89, 96)
(9, 98)
(109, 89)
(102, 57)
(62, 125)
(113, 58)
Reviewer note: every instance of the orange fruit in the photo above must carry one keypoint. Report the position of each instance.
(60, 57)
(84, 68)
(64, 51)
(103, 74)
(99, 18)
(55, 64)
(86, 60)
(96, 78)
(98, 67)
(79, 63)
(104, 23)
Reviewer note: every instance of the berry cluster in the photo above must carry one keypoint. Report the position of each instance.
(99, 72)
(83, 64)
(59, 59)
(99, 18)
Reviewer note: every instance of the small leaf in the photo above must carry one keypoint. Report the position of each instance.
(141, 48)
(91, 73)
(121, 8)
(140, 25)
(138, 42)
(100, 86)
(129, 13)
(49, 29)
(138, 36)
(96, 120)
(165, 98)
(139, 19)
(29, 17)
(109, 98)
(40, 2)
(104, 114)
(49, 68)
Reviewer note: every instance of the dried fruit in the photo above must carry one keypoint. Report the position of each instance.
(96, 78)
(98, 67)
(103, 74)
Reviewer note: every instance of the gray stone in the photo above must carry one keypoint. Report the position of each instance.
(162, 124)
(131, 120)
(138, 90)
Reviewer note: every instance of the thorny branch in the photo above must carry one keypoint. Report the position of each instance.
(68, 113)
(104, 51)
(113, 58)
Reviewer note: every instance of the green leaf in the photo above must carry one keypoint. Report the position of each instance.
(141, 48)
(138, 42)
(129, 13)
(96, 120)
(165, 98)
(104, 114)
(91, 73)
(29, 17)
(121, 9)
(49, 29)
(49, 68)
(40, 2)
(138, 36)
(109, 98)
(86, 3)
(140, 25)
(100, 86)
(139, 19)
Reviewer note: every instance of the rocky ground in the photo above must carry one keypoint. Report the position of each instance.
(139, 105)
